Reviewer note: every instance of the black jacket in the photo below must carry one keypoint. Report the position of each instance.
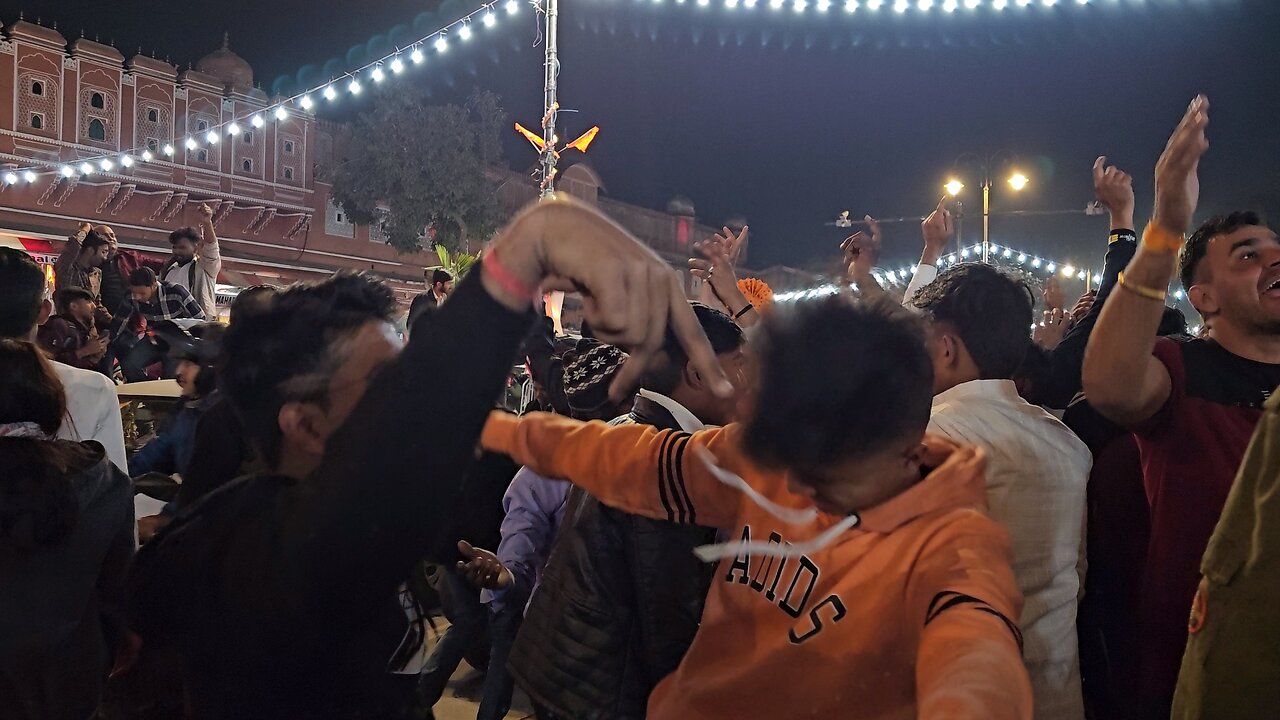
(60, 604)
(282, 597)
(618, 606)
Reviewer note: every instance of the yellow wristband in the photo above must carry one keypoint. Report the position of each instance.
(1161, 240)
(1149, 293)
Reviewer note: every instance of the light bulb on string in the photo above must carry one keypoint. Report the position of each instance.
(464, 32)
(925, 5)
(191, 143)
(416, 55)
(126, 161)
(354, 86)
(442, 45)
(823, 5)
(281, 113)
(512, 7)
(851, 6)
(67, 171)
(29, 176)
(1068, 271)
(146, 156)
(233, 129)
(800, 5)
(211, 137)
(397, 66)
(86, 169)
(11, 178)
(305, 102)
(1051, 267)
(256, 120)
(1035, 263)
(1022, 257)
(105, 165)
(489, 18)
(776, 4)
(329, 93)
(168, 150)
(376, 74)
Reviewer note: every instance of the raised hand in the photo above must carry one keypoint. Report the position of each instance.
(937, 230)
(1177, 178)
(1051, 328)
(205, 212)
(630, 295)
(733, 244)
(1114, 189)
(84, 228)
(482, 568)
(861, 252)
(1082, 308)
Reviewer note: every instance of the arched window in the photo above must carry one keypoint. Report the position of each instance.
(37, 87)
(288, 147)
(153, 116)
(202, 125)
(246, 165)
(153, 145)
(97, 100)
(37, 122)
(97, 130)
(288, 173)
(203, 156)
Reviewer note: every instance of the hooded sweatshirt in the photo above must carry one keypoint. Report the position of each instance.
(906, 614)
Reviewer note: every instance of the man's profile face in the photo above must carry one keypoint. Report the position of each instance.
(443, 288)
(142, 294)
(82, 311)
(99, 255)
(1241, 279)
(184, 250)
(365, 352)
(187, 373)
(112, 244)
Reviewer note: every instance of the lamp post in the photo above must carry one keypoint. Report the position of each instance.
(1017, 181)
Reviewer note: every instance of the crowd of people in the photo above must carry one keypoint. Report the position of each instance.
(858, 506)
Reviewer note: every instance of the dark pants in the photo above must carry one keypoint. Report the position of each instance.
(468, 622)
(135, 361)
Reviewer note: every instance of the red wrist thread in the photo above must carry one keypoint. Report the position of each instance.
(506, 279)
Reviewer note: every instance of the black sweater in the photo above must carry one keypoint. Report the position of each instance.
(281, 596)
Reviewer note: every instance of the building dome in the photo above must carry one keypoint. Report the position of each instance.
(680, 205)
(227, 66)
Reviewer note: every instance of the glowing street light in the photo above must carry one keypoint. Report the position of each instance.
(953, 187)
(1018, 181)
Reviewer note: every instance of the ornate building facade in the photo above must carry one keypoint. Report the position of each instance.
(62, 103)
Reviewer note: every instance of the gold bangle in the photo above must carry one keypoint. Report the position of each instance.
(1159, 239)
(1149, 293)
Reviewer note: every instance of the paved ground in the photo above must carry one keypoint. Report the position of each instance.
(462, 697)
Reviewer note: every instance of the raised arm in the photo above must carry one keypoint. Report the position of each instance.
(716, 268)
(70, 251)
(208, 250)
(937, 230)
(635, 468)
(1121, 377)
(969, 661)
(1114, 189)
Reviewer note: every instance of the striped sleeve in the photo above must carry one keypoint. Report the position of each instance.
(635, 468)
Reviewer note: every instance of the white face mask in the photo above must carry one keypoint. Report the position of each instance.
(791, 516)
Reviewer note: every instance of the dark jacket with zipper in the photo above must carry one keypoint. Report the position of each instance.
(282, 596)
(618, 606)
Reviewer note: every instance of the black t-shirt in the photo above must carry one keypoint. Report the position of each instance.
(114, 289)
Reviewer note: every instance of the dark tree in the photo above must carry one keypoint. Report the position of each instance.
(426, 164)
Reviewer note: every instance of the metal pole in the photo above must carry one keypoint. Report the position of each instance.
(959, 227)
(986, 219)
(550, 104)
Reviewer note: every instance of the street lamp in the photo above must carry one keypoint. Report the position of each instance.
(1017, 181)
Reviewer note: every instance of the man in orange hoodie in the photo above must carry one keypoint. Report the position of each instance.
(868, 581)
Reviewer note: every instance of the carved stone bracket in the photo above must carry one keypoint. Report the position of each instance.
(179, 201)
(53, 185)
(224, 209)
(115, 190)
(164, 204)
(124, 198)
(71, 185)
(304, 223)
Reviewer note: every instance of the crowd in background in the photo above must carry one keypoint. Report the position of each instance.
(861, 505)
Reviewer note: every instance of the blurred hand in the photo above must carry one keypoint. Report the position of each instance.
(149, 526)
(1054, 299)
(630, 295)
(937, 230)
(861, 252)
(482, 568)
(1082, 308)
(1177, 179)
(83, 228)
(94, 347)
(205, 212)
(1049, 331)
(1114, 188)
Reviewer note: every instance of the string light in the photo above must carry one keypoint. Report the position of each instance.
(29, 176)
(11, 178)
(486, 14)
(126, 161)
(354, 86)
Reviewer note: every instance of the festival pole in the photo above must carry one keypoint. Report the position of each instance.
(550, 104)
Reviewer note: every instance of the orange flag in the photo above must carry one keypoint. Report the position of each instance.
(536, 140)
(583, 142)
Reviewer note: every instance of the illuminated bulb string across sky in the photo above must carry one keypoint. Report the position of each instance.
(906, 7)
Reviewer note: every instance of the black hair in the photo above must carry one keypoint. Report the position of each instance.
(291, 337)
(185, 233)
(839, 380)
(93, 239)
(38, 505)
(21, 293)
(725, 336)
(1198, 244)
(422, 304)
(988, 309)
(63, 298)
(250, 300)
(209, 337)
(1172, 322)
(142, 277)
(440, 275)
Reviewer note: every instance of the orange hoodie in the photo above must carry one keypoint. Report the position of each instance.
(907, 615)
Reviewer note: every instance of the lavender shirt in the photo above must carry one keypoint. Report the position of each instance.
(534, 506)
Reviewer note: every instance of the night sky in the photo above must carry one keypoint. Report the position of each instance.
(788, 119)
